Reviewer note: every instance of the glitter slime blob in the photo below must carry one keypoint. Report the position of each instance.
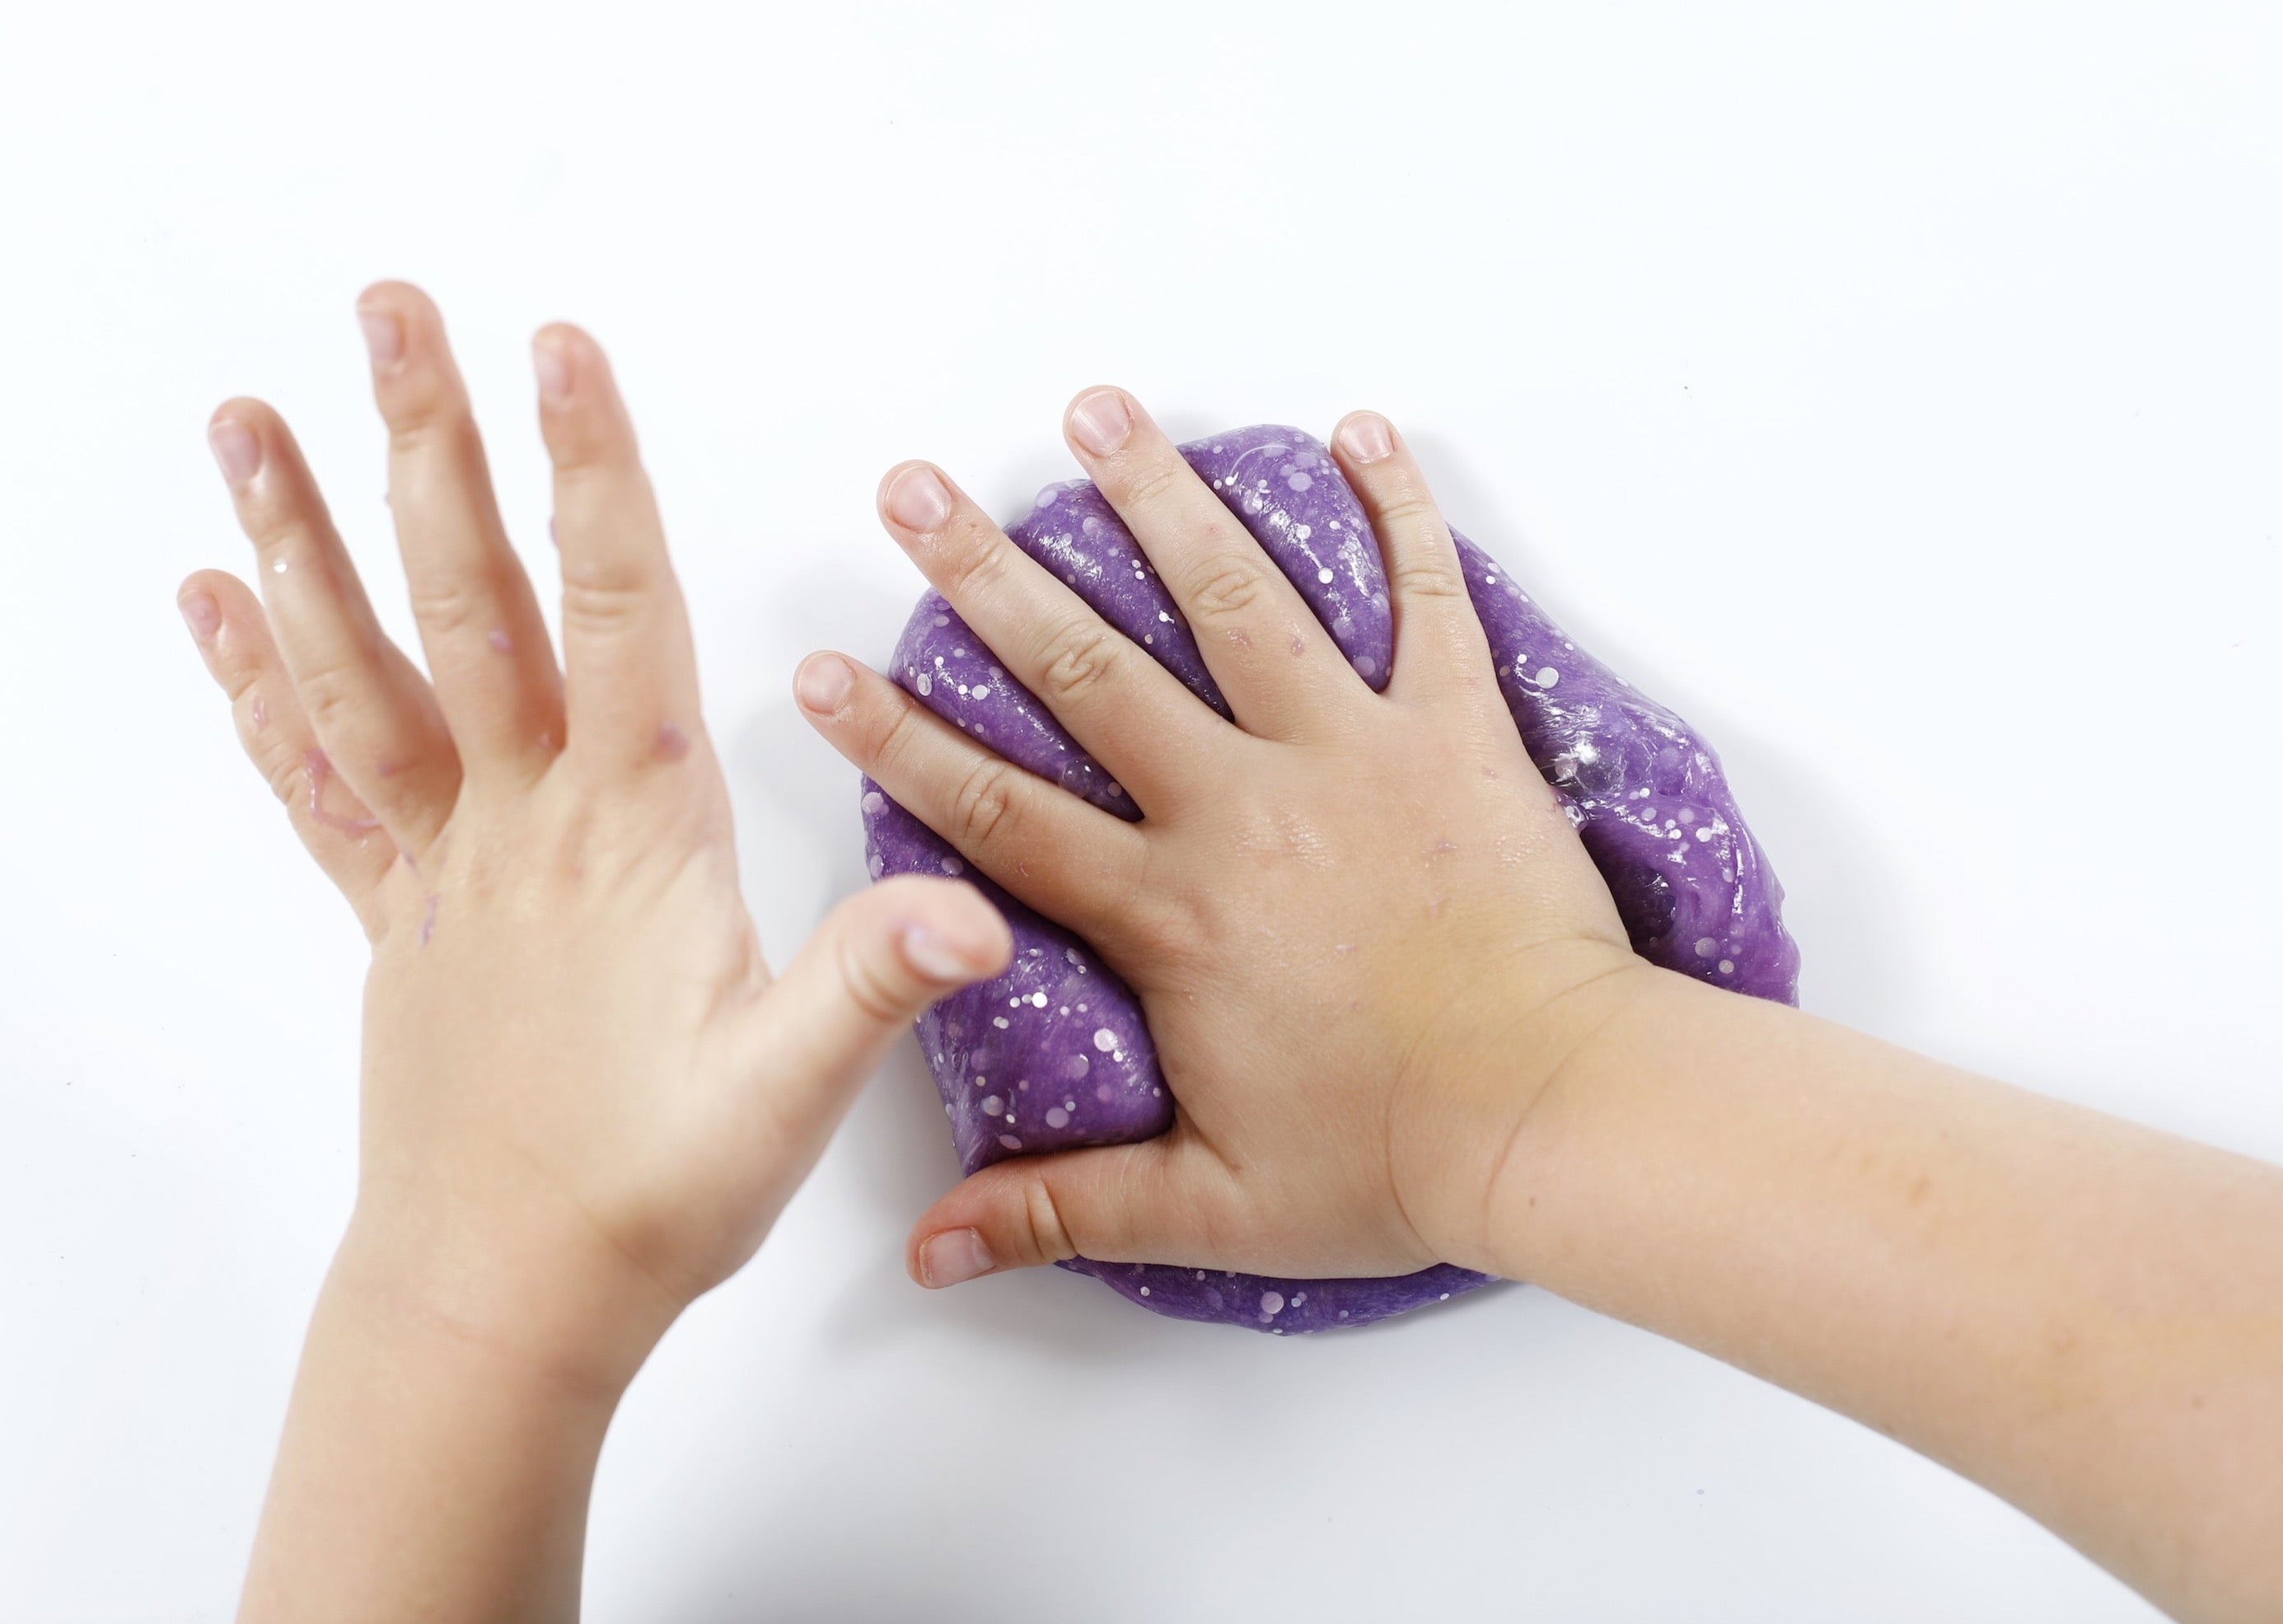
(1053, 1053)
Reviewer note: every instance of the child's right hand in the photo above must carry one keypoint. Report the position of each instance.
(1362, 930)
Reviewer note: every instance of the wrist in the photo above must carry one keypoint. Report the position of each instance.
(565, 1311)
(441, 1446)
(1548, 1019)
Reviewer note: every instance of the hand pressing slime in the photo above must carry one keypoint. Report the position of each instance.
(1054, 1053)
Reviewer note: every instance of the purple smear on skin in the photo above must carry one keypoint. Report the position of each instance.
(428, 917)
(1021, 1060)
(672, 743)
(321, 769)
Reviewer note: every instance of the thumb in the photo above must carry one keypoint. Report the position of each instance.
(1163, 1201)
(878, 959)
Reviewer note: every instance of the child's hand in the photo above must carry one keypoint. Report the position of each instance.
(584, 1101)
(1362, 930)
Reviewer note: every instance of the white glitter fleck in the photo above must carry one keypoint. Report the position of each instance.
(979, 692)
(1057, 1117)
(1324, 576)
(1706, 947)
(993, 1105)
(1011, 1142)
(1105, 1040)
(1546, 676)
(953, 865)
(873, 801)
(927, 685)
(1727, 966)
(1038, 1001)
(1271, 1304)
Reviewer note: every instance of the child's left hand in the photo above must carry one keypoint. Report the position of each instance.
(584, 1100)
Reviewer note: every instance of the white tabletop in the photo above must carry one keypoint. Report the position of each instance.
(1891, 389)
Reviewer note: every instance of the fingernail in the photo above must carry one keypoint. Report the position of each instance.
(954, 1256)
(236, 450)
(919, 500)
(823, 682)
(201, 614)
(1367, 438)
(939, 959)
(1099, 421)
(554, 369)
(383, 337)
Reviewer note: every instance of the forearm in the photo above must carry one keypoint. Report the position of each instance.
(2083, 1315)
(431, 1468)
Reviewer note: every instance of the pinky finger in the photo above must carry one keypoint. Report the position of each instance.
(233, 637)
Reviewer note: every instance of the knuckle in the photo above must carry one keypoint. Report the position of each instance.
(237, 679)
(1152, 481)
(601, 600)
(329, 696)
(890, 741)
(1049, 1239)
(1229, 590)
(1408, 507)
(1431, 577)
(287, 775)
(586, 446)
(982, 804)
(425, 418)
(973, 565)
(875, 993)
(1084, 653)
(450, 608)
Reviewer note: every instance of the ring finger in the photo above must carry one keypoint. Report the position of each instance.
(370, 708)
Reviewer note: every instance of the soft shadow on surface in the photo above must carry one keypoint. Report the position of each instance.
(1841, 902)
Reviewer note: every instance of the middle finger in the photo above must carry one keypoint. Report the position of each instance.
(479, 622)
(1276, 666)
(1130, 713)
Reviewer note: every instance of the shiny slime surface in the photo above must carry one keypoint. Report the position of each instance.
(1055, 1052)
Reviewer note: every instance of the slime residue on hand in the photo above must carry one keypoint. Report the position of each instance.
(1054, 1053)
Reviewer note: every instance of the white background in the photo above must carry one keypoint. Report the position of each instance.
(1893, 389)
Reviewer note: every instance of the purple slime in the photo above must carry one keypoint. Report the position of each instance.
(1055, 1052)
